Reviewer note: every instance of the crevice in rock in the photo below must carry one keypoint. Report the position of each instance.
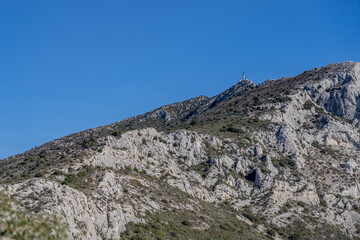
(251, 176)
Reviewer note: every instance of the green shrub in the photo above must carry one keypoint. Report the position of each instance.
(256, 101)
(285, 208)
(18, 225)
(116, 133)
(39, 174)
(315, 144)
(186, 222)
(285, 162)
(195, 121)
(323, 203)
(162, 140)
(308, 105)
(89, 142)
(234, 130)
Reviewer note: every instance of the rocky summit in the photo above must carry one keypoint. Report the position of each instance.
(279, 160)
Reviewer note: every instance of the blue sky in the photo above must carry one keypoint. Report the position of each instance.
(66, 66)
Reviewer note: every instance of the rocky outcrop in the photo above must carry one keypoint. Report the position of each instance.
(338, 92)
(286, 159)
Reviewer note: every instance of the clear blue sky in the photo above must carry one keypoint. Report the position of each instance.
(66, 66)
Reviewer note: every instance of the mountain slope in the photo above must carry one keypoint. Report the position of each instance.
(275, 160)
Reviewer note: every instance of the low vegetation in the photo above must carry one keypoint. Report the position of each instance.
(17, 225)
(208, 223)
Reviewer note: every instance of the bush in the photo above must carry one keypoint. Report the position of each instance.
(39, 174)
(195, 121)
(116, 133)
(234, 130)
(323, 203)
(186, 223)
(285, 208)
(315, 144)
(256, 101)
(15, 224)
(89, 142)
(285, 162)
(308, 105)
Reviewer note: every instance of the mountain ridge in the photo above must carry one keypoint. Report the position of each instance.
(281, 157)
(203, 98)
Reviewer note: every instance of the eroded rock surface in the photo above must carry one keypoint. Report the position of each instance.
(295, 157)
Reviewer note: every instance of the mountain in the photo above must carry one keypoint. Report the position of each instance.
(279, 160)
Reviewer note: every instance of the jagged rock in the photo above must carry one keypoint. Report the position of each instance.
(258, 151)
(297, 148)
(340, 93)
(346, 167)
(269, 165)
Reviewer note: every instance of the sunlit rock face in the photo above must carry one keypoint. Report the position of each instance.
(264, 154)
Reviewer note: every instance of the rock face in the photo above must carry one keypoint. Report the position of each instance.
(339, 91)
(287, 158)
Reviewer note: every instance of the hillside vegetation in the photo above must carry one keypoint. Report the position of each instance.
(279, 160)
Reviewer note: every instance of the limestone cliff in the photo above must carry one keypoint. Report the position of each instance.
(276, 160)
